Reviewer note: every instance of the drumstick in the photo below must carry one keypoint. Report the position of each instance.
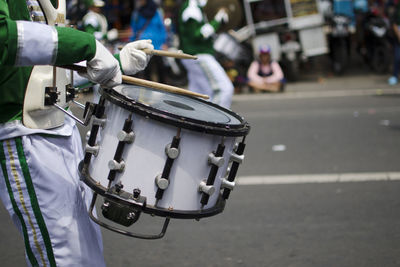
(166, 53)
(137, 81)
(161, 86)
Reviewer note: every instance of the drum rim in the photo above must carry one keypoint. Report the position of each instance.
(150, 209)
(121, 100)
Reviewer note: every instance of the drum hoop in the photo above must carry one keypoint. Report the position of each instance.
(180, 121)
(162, 212)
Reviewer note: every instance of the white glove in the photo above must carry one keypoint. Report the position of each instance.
(103, 68)
(133, 59)
(207, 30)
(222, 16)
(112, 35)
(98, 35)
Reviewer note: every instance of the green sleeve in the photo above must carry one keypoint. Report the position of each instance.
(8, 36)
(216, 25)
(74, 46)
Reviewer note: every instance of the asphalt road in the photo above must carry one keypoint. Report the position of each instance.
(322, 134)
(300, 224)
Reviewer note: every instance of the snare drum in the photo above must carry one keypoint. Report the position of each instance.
(161, 153)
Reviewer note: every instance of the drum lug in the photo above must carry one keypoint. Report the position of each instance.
(94, 150)
(227, 184)
(116, 166)
(161, 183)
(87, 136)
(237, 158)
(217, 161)
(235, 146)
(98, 112)
(206, 186)
(100, 122)
(206, 189)
(172, 152)
(126, 137)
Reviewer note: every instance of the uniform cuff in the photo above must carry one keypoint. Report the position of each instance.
(37, 44)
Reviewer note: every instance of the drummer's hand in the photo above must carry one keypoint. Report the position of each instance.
(103, 68)
(132, 58)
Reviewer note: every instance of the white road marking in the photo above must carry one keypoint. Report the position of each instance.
(318, 178)
(278, 148)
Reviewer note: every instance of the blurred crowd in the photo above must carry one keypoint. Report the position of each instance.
(372, 34)
(373, 31)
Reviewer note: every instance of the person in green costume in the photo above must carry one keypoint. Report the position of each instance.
(205, 75)
(95, 22)
(39, 181)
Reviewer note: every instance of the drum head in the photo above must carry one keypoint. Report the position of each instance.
(182, 111)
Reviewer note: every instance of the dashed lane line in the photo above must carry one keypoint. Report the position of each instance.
(318, 178)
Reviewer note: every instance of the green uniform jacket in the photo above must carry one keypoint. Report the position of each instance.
(72, 46)
(191, 39)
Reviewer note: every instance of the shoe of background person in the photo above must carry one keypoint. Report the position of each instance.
(392, 80)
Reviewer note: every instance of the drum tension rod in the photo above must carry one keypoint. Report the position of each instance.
(117, 164)
(234, 168)
(208, 189)
(172, 151)
(89, 110)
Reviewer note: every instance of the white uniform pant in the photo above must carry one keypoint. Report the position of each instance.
(40, 188)
(206, 76)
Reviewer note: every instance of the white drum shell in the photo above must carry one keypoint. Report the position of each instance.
(145, 159)
(228, 46)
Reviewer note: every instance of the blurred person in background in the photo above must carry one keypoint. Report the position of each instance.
(94, 22)
(264, 74)
(361, 9)
(147, 23)
(205, 74)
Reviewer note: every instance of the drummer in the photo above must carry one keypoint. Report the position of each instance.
(205, 75)
(39, 183)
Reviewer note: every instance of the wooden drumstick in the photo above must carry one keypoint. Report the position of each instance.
(141, 82)
(166, 53)
(161, 86)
